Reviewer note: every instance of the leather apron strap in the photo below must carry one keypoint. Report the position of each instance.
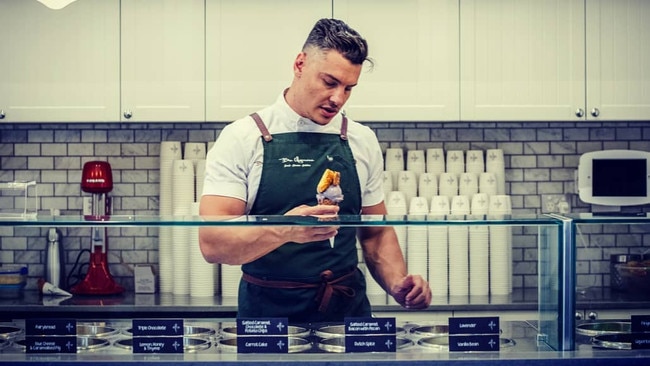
(266, 135)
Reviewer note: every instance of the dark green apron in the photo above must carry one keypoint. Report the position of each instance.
(293, 166)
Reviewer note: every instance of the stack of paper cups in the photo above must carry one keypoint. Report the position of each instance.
(448, 185)
(459, 251)
(407, 183)
(182, 199)
(487, 183)
(415, 162)
(427, 185)
(394, 162)
(474, 162)
(396, 205)
(479, 249)
(495, 164)
(374, 291)
(182, 185)
(438, 241)
(435, 161)
(169, 152)
(416, 249)
(388, 183)
(230, 277)
(200, 178)
(479, 284)
(440, 205)
(194, 151)
(201, 272)
(468, 184)
(455, 162)
(500, 204)
(460, 205)
(500, 248)
(418, 206)
(480, 204)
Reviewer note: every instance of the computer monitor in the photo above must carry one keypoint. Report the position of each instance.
(614, 177)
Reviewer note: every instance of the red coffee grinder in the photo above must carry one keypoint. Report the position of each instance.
(97, 178)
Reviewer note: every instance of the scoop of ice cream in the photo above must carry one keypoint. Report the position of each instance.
(328, 190)
(332, 195)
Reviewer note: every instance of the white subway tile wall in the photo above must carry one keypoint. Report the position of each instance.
(540, 158)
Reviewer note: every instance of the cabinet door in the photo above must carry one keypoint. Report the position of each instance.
(522, 60)
(163, 60)
(59, 65)
(250, 49)
(618, 55)
(414, 44)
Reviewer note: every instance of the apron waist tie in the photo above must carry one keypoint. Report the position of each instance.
(326, 288)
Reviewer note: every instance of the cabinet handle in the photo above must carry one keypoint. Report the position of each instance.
(580, 112)
(592, 315)
(578, 315)
(128, 114)
(595, 112)
(2, 114)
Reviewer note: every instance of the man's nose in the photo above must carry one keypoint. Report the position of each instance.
(338, 97)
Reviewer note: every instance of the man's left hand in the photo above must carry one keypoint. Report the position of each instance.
(413, 292)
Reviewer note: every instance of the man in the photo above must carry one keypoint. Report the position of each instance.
(271, 162)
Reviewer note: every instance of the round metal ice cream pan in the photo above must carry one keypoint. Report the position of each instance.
(442, 342)
(614, 341)
(292, 331)
(330, 331)
(296, 345)
(189, 344)
(98, 331)
(337, 344)
(431, 330)
(188, 331)
(84, 344)
(597, 328)
(8, 331)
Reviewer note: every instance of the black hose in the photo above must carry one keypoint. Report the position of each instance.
(79, 276)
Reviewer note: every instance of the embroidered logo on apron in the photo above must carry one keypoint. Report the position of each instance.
(296, 162)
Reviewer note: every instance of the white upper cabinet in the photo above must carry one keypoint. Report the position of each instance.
(414, 45)
(163, 60)
(522, 60)
(618, 60)
(59, 65)
(250, 49)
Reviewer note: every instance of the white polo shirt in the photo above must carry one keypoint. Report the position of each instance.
(234, 163)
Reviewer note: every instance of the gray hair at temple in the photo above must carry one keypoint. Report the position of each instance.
(334, 34)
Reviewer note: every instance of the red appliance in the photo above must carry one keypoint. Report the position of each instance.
(97, 178)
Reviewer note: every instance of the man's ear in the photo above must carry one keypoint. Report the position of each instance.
(299, 63)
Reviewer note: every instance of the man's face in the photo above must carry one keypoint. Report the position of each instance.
(322, 84)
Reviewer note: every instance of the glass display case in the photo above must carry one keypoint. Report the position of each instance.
(618, 244)
(548, 325)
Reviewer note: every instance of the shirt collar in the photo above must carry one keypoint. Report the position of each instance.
(293, 119)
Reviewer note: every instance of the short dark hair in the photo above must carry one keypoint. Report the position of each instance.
(334, 34)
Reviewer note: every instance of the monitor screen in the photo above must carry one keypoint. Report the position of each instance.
(619, 177)
(614, 177)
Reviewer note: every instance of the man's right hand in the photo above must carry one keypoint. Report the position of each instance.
(306, 234)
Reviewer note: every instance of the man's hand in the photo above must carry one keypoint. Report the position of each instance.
(317, 210)
(413, 292)
(305, 234)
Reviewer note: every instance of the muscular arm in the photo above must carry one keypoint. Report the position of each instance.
(239, 245)
(386, 263)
